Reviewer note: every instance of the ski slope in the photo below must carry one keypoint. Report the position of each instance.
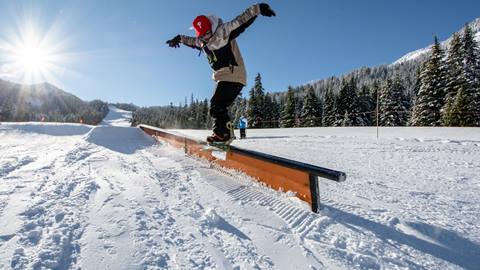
(117, 117)
(109, 197)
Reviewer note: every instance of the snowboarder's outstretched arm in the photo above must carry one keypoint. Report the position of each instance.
(229, 30)
(238, 25)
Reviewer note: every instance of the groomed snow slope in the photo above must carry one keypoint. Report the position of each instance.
(104, 197)
(117, 117)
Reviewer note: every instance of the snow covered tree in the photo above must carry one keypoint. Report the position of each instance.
(471, 75)
(365, 107)
(347, 102)
(431, 95)
(462, 100)
(205, 119)
(345, 98)
(271, 116)
(311, 112)
(288, 115)
(454, 79)
(329, 109)
(347, 120)
(460, 109)
(392, 111)
(255, 109)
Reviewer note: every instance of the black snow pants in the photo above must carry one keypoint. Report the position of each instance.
(224, 95)
(243, 133)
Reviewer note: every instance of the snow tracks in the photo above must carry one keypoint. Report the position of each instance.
(113, 198)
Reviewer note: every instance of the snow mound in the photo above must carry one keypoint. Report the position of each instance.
(52, 129)
(126, 140)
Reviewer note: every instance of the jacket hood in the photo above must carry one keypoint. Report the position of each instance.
(216, 21)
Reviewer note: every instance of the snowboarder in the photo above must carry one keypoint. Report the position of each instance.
(217, 41)
(242, 125)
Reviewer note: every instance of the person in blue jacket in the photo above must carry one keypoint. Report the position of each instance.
(242, 125)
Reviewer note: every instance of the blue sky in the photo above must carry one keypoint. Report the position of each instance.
(115, 50)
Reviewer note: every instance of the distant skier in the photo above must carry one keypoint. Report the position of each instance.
(217, 40)
(242, 125)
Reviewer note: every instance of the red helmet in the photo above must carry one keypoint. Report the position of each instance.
(201, 24)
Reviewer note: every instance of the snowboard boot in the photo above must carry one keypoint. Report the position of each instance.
(222, 138)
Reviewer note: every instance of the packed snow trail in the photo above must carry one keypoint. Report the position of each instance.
(110, 197)
(117, 117)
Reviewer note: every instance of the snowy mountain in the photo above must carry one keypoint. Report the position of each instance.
(110, 197)
(34, 95)
(421, 53)
(46, 102)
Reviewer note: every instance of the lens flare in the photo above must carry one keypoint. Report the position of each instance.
(32, 56)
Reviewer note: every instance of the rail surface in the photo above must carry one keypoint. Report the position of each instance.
(277, 172)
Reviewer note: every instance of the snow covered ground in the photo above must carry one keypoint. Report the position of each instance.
(109, 197)
(117, 117)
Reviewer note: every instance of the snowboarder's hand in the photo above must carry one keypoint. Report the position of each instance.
(265, 10)
(174, 42)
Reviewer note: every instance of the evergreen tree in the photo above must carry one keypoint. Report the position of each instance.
(365, 107)
(461, 105)
(347, 102)
(392, 111)
(252, 107)
(471, 75)
(277, 113)
(255, 110)
(208, 121)
(431, 95)
(416, 87)
(311, 111)
(347, 120)
(463, 82)
(288, 115)
(329, 109)
(298, 110)
(271, 115)
(454, 80)
(344, 98)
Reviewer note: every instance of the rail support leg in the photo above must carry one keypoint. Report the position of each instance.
(315, 191)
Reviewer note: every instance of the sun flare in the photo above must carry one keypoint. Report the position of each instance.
(33, 56)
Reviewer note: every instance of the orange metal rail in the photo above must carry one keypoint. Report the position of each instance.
(276, 172)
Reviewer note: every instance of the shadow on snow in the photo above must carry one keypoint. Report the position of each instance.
(449, 247)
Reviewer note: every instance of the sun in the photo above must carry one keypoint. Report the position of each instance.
(32, 58)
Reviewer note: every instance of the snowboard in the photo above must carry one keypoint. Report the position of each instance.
(218, 150)
(224, 146)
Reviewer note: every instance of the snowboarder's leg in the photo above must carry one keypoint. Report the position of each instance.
(224, 95)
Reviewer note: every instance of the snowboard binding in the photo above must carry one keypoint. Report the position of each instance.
(224, 141)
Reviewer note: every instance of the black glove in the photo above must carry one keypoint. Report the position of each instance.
(265, 10)
(174, 42)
